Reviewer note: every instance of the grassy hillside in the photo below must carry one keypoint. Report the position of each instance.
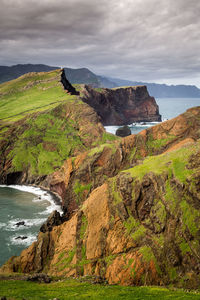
(76, 289)
(12, 72)
(29, 93)
(41, 124)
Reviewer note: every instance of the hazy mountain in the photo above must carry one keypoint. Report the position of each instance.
(12, 72)
(85, 76)
(82, 75)
(162, 90)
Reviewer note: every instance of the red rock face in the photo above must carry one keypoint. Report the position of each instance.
(122, 105)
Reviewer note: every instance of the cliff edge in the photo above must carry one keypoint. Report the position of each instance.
(136, 219)
(122, 106)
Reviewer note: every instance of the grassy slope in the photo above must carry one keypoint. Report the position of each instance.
(33, 91)
(74, 289)
(49, 121)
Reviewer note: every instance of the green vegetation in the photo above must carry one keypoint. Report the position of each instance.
(65, 259)
(147, 254)
(45, 144)
(153, 144)
(79, 189)
(84, 224)
(76, 289)
(175, 161)
(99, 90)
(131, 224)
(115, 193)
(184, 247)
(30, 93)
(190, 217)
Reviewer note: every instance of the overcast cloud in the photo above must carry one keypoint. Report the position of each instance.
(147, 40)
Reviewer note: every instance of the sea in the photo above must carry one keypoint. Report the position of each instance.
(168, 108)
(30, 206)
(23, 209)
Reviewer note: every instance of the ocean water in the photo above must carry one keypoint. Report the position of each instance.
(32, 205)
(26, 204)
(168, 108)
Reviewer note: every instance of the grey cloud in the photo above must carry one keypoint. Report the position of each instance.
(147, 40)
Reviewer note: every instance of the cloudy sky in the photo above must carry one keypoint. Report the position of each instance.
(146, 40)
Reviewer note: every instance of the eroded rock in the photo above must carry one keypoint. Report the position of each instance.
(123, 131)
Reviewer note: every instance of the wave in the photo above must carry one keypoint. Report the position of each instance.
(136, 125)
(12, 224)
(25, 240)
(42, 195)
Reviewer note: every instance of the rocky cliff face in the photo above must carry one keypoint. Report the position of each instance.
(131, 211)
(122, 106)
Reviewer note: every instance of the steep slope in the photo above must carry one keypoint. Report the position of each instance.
(79, 176)
(138, 222)
(43, 121)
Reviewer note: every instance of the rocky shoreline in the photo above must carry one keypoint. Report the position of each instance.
(131, 205)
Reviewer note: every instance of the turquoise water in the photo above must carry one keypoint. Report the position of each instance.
(25, 204)
(168, 108)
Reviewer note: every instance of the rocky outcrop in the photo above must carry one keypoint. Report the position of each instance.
(132, 211)
(67, 85)
(131, 205)
(123, 131)
(78, 177)
(59, 133)
(122, 106)
(53, 220)
(140, 227)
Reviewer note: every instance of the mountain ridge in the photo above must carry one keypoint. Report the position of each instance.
(130, 205)
(85, 76)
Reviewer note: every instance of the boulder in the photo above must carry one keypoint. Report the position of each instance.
(39, 277)
(123, 131)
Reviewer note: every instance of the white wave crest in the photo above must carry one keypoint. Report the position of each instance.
(12, 224)
(42, 195)
(18, 239)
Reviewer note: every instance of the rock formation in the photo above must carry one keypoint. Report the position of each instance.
(122, 106)
(123, 131)
(132, 211)
(131, 205)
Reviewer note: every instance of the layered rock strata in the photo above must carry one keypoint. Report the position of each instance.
(132, 211)
(122, 106)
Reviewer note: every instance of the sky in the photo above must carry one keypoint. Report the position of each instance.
(139, 40)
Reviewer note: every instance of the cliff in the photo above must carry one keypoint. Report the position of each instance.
(122, 106)
(136, 218)
(43, 122)
(131, 205)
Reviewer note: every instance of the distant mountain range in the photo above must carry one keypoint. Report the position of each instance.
(85, 76)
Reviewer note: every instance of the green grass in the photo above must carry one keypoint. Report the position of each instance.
(153, 145)
(175, 161)
(45, 144)
(79, 189)
(31, 93)
(75, 289)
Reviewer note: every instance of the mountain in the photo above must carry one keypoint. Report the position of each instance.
(162, 90)
(10, 73)
(85, 76)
